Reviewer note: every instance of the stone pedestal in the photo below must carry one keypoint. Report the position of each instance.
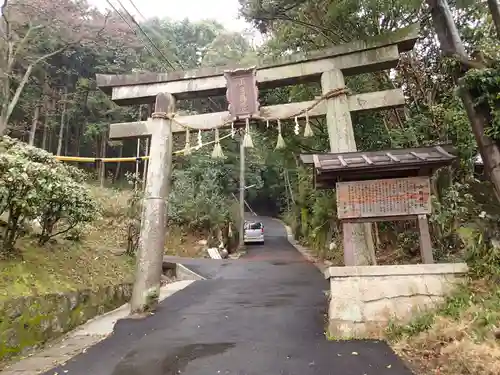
(364, 299)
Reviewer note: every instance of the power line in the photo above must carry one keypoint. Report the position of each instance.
(150, 40)
(177, 60)
(132, 28)
(146, 35)
(136, 9)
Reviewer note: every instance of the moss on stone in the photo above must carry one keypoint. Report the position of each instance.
(27, 322)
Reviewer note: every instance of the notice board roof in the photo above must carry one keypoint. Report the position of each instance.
(330, 168)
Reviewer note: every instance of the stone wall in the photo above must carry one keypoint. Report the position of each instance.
(26, 322)
(364, 299)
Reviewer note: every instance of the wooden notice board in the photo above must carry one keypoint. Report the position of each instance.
(383, 198)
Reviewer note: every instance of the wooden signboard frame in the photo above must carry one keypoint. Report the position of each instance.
(374, 200)
(388, 200)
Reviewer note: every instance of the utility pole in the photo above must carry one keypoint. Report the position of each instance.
(242, 192)
(146, 290)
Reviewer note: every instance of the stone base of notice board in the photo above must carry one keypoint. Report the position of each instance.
(364, 299)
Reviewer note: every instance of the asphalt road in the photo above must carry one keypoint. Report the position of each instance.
(260, 315)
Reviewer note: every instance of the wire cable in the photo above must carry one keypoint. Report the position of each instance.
(132, 28)
(153, 44)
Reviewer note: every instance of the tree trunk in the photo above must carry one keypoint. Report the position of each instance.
(118, 164)
(63, 122)
(34, 124)
(66, 139)
(78, 137)
(49, 104)
(445, 27)
(452, 45)
(494, 6)
(103, 155)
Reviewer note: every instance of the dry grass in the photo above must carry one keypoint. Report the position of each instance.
(63, 265)
(60, 267)
(460, 340)
(184, 244)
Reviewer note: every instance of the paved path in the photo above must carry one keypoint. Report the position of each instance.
(261, 315)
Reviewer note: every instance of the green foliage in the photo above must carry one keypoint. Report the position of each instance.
(483, 247)
(451, 210)
(453, 306)
(484, 85)
(134, 212)
(33, 185)
(197, 198)
(480, 295)
(474, 302)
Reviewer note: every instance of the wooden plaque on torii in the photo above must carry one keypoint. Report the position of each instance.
(242, 93)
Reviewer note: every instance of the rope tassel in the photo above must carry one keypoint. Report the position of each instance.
(217, 152)
(200, 141)
(308, 130)
(280, 144)
(247, 138)
(187, 146)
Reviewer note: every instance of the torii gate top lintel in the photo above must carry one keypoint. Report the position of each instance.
(378, 53)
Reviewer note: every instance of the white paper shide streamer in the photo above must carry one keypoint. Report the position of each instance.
(280, 144)
(308, 130)
(200, 141)
(217, 152)
(187, 146)
(247, 138)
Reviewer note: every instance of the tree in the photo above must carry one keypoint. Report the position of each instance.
(33, 32)
(452, 46)
(228, 48)
(433, 114)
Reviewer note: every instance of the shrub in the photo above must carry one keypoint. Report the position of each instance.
(34, 185)
(134, 211)
(63, 203)
(197, 199)
(18, 195)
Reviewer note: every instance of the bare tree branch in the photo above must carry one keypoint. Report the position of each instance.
(4, 16)
(7, 110)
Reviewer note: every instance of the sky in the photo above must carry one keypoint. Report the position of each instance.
(224, 11)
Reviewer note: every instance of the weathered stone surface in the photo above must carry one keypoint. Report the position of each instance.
(363, 300)
(353, 63)
(403, 38)
(27, 322)
(357, 103)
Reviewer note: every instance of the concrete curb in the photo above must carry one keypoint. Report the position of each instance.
(184, 273)
(88, 334)
(320, 265)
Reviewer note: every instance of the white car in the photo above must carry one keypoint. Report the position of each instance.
(254, 232)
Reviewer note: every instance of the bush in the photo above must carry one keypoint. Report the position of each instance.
(34, 185)
(197, 199)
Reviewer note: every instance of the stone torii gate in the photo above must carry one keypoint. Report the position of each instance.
(328, 66)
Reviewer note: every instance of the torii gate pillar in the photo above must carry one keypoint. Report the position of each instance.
(358, 240)
(149, 261)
